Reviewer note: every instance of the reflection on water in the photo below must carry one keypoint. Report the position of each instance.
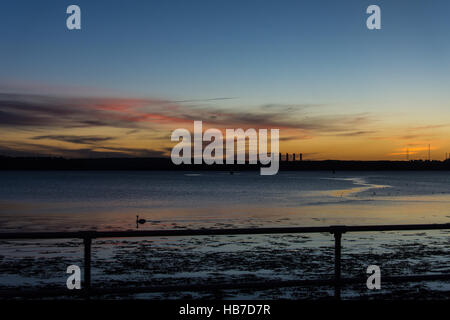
(111, 200)
(360, 185)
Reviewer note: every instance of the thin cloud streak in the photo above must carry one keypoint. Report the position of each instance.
(40, 111)
(75, 139)
(20, 149)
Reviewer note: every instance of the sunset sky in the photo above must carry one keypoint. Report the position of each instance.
(139, 70)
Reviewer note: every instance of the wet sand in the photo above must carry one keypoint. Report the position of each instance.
(227, 259)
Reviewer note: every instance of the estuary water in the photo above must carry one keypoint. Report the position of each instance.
(61, 201)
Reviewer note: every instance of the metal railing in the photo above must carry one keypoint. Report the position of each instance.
(337, 281)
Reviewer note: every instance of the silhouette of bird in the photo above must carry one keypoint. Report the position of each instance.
(139, 221)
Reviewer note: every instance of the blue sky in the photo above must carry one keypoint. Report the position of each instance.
(256, 52)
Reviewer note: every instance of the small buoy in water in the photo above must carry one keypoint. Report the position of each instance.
(231, 172)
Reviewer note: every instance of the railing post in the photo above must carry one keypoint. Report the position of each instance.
(337, 231)
(87, 265)
(337, 264)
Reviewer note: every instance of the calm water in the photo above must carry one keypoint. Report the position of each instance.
(111, 200)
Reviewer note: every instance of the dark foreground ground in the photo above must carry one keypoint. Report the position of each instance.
(236, 259)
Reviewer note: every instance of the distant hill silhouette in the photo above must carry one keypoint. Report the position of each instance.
(58, 163)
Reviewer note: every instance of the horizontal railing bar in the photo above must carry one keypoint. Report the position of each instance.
(218, 286)
(209, 232)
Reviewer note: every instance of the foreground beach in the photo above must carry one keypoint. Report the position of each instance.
(228, 259)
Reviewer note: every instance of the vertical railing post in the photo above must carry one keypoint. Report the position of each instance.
(87, 265)
(337, 264)
(337, 232)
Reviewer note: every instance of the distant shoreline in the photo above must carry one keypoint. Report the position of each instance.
(149, 164)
